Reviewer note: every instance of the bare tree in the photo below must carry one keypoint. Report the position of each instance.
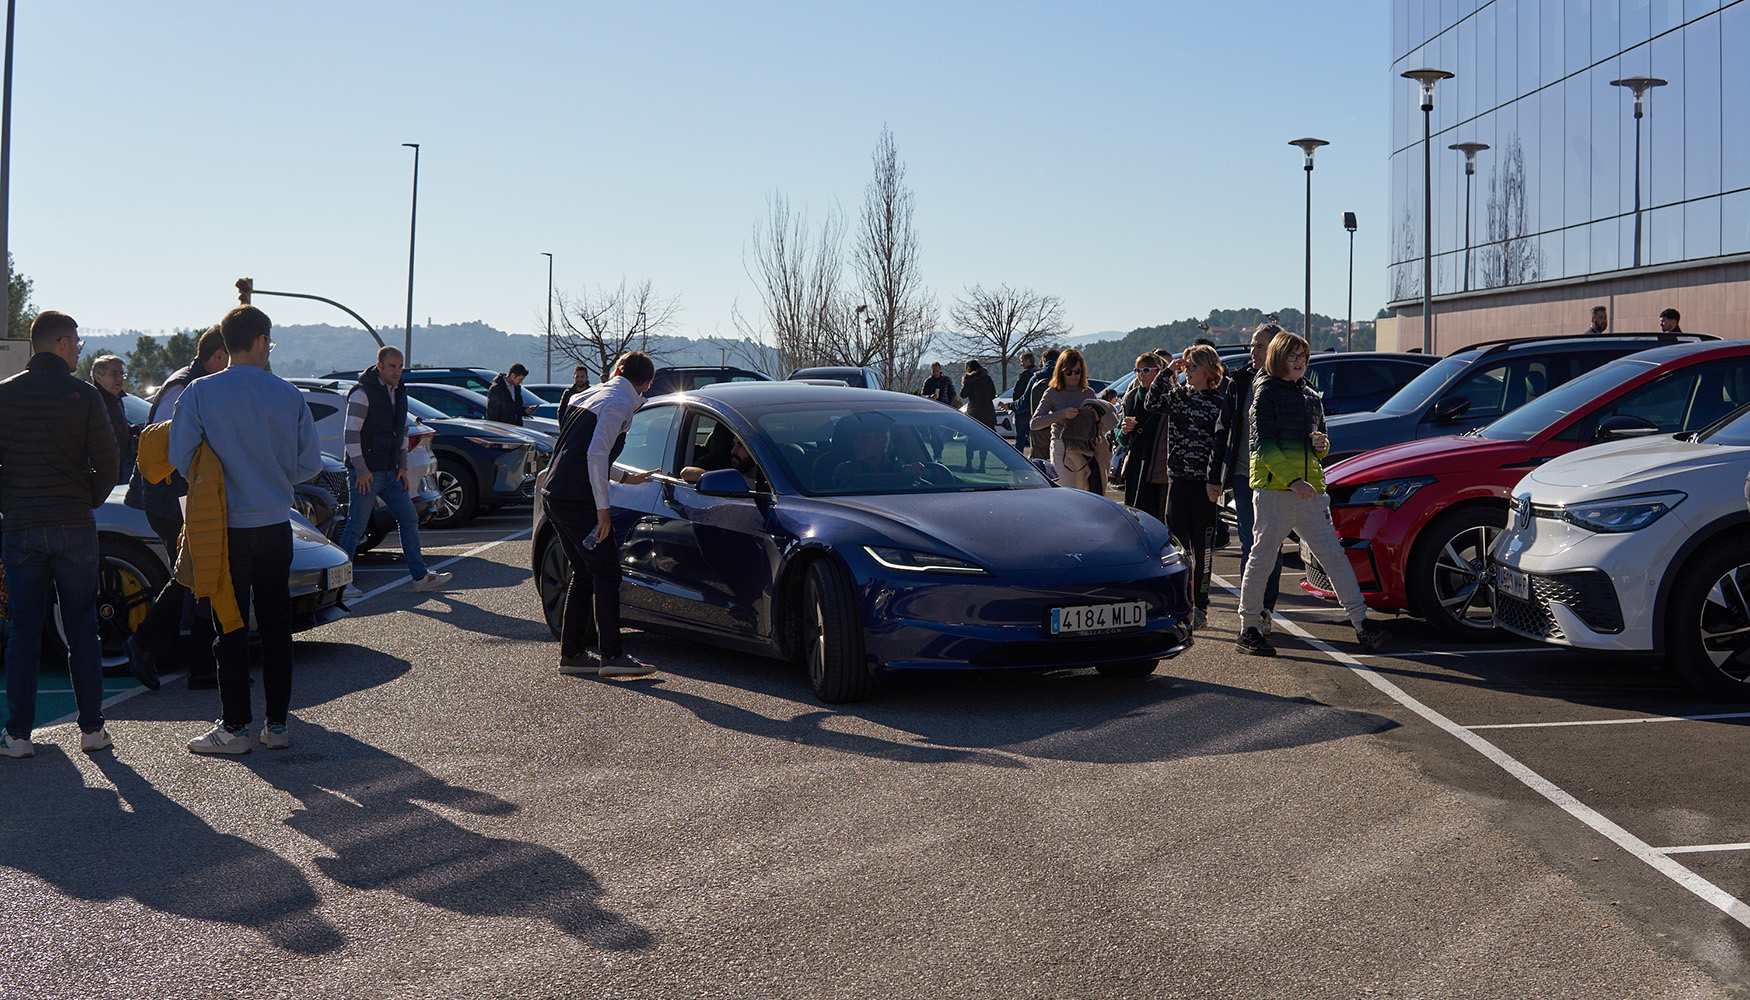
(900, 313)
(1003, 323)
(597, 327)
(797, 275)
(1511, 256)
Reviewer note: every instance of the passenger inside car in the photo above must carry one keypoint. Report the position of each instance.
(722, 449)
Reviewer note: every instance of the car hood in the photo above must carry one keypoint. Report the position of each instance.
(1020, 529)
(468, 425)
(1622, 466)
(1353, 432)
(1427, 457)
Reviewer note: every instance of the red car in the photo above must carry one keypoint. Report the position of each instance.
(1419, 519)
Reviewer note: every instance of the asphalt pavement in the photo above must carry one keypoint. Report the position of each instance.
(456, 819)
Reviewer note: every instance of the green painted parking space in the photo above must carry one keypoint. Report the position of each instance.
(54, 696)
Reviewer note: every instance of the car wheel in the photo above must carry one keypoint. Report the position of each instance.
(1449, 573)
(833, 636)
(552, 576)
(1709, 621)
(369, 542)
(458, 498)
(1128, 669)
(128, 578)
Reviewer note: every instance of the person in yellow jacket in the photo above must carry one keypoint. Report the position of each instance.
(257, 427)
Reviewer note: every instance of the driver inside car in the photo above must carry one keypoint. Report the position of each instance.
(737, 458)
(870, 456)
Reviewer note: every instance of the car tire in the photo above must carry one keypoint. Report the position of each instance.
(458, 497)
(1448, 573)
(1128, 670)
(552, 577)
(1712, 599)
(129, 577)
(832, 646)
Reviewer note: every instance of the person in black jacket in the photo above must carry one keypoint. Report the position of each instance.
(57, 465)
(1230, 465)
(504, 400)
(1138, 433)
(175, 607)
(108, 373)
(579, 382)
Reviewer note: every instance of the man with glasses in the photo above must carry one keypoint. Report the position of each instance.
(108, 373)
(57, 465)
(261, 432)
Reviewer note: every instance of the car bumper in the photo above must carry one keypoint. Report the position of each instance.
(511, 473)
(1585, 590)
(986, 624)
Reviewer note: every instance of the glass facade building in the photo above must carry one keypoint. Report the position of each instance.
(1553, 198)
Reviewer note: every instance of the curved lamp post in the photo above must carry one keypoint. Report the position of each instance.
(1308, 146)
(1427, 78)
(1470, 151)
(1640, 85)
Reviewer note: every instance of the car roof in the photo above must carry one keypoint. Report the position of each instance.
(1416, 356)
(759, 394)
(1704, 348)
(818, 369)
(1564, 343)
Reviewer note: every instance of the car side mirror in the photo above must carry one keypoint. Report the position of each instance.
(724, 483)
(1046, 469)
(1624, 425)
(1450, 408)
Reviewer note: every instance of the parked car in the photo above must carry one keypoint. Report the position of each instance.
(477, 462)
(686, 379)
(1473, 387)
(547, 392)
(1418, 519)
(860, 378)
(854, 572)
(1638, 546)
(133, 567)
(326, 401)
(475, 379)
(455, 401)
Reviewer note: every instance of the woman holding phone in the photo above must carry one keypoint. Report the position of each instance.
(1078, 420)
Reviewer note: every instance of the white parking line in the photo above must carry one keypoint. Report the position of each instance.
(1615, 722)
(1700, 848)
(1655, 858)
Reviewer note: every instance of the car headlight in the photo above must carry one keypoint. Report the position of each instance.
(1621, 513)
(1386, 493)
(501, 444)
(1171, 553)
(920, 562)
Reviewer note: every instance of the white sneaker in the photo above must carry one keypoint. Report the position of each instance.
(433, 581)
(351, 593)
(12, 746)
(93, 742)
(274, 737)
(222, 740)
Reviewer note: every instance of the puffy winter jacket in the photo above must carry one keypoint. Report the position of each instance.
(58, 456)
(1284, 416)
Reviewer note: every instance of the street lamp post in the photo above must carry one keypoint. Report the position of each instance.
(6, 177)
(1308, 146)
(1639, 85)
(412, 230)
(1470, 151)
(1349, 327)
(549, 315)
(1427, 78)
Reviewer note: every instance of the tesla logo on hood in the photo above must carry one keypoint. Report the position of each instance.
(1077, 556)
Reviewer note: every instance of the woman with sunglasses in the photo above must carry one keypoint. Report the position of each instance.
(1078, 420)
(1190, 412)
(1288, 493)
(1138, 433)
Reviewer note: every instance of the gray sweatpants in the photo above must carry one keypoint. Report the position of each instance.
(1275, 513)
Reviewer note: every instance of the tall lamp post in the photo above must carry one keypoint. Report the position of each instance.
(412, 230)
(1307, 146)
(1640, 85)
(1470, 151)
(1349, 326)
(6, 177)
(549, 315)
(1427, 78)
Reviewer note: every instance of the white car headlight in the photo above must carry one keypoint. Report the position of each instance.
(1618, 514)
(920, 562)
(1386, 493)
(1171, 553)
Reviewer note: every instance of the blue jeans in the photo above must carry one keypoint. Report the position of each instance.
(389, 486)
(36, 559)
(1243, 508)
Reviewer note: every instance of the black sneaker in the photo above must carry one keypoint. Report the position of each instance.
(1371, 637)
(1254, 643)
(143, 665)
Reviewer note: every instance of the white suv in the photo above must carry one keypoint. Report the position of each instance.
(1638, 546)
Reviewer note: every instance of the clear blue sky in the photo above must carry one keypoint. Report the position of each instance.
(1130, 158)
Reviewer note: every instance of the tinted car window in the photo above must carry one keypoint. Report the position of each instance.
(446, 404)
(1529, 420)
(647, 439)
(1686, 400)
(1420, 392)
(320, 411)
(1360, 379)
(914, 451)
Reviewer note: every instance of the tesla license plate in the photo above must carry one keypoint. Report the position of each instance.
(1513, 583)
(1092, 618)
(340, 576)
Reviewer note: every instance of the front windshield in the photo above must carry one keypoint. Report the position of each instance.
(423, 410)
(1534, 417)
(1422, 389)
(839, 450)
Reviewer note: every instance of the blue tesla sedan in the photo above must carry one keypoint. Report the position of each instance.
(857, 532)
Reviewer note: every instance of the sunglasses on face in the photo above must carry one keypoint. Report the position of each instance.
(1072, 371)
(1145, 369)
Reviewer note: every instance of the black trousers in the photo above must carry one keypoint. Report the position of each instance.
(1192, 520)
(173, 608)
(261, 565)
(592, 597)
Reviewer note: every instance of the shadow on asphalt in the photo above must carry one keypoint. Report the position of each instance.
(321, 672)
(992, 717)
(364, 805)
(99, 844)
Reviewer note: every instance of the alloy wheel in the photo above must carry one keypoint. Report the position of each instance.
(1725, 624)
(1461, 577)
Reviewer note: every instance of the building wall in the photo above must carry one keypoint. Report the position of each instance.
(1552, 204)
